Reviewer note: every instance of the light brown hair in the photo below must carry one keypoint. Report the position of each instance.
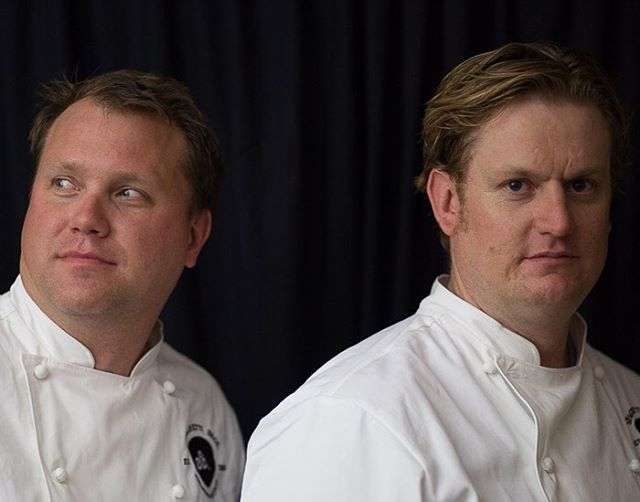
(139, 92)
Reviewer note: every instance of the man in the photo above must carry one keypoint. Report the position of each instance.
(489, 392)
(94, 404)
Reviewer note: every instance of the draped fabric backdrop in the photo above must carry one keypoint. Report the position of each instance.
(320, 238)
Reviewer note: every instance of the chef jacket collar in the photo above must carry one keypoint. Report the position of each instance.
(46, 338)
(491, 333)
(149, 357)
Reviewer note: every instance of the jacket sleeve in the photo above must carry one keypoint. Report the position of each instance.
(331, 450)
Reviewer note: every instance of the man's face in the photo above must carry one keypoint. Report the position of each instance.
(534, 221)
(108, 229)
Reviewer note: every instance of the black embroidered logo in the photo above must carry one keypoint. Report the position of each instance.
(202, 445)
(632, 419)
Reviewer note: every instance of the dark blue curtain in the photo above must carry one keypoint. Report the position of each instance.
(320, 238)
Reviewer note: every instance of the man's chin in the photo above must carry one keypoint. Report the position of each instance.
(85, 303)
(555, 291)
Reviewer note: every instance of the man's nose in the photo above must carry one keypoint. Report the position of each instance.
(89, 216)
(553, 213)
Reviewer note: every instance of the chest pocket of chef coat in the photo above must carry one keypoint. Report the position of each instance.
(113, 437)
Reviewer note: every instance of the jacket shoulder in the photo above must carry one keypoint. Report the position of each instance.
(189, 374)
(624, 381)
(382, 364)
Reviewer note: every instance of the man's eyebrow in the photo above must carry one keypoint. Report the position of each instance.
(591, 171)
(523, 172)
(513, 172)
(70, 167)
(120, 176)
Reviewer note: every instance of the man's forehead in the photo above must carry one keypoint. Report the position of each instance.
(87, 137)
(122, 122)
(534, 109)
(90, 109)
(538, 128)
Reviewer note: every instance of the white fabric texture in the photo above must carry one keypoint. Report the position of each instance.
(73, 433)
(448, 405)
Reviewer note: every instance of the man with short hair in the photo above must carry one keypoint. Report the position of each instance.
(95, 405)
(489, 392)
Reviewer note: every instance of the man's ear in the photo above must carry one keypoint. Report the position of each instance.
(445, 200)
(200, 228)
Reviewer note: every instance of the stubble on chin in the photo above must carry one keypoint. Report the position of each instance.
(550, 293)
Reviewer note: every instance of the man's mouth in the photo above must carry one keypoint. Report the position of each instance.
(551, 256)
(81, 258)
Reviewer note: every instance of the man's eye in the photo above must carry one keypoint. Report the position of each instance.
(516, 186)
(581, 186)
(62, 184)
(130, 194)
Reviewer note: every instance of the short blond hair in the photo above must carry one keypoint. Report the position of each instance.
(480, 87)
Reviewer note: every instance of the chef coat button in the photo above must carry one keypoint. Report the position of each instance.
(168, 387)
(500, 360)
(41, 372)
(634, 465)
(177, 491)
(598, 371)
(547, 464)
(60, 474)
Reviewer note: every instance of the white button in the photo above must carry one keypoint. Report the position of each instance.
(500, 360)
(168, 387)
(60, 475)
(41, 372)
(177, 491)
(547, 464)
(598, 371)
(634, 465)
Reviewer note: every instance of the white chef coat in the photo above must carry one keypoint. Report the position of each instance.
(448, 405)
(69, 432)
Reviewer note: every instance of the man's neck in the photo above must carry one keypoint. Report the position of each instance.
(116, 341)
(548, 331)
(552, 342)
(116, 337)
(116, 347)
